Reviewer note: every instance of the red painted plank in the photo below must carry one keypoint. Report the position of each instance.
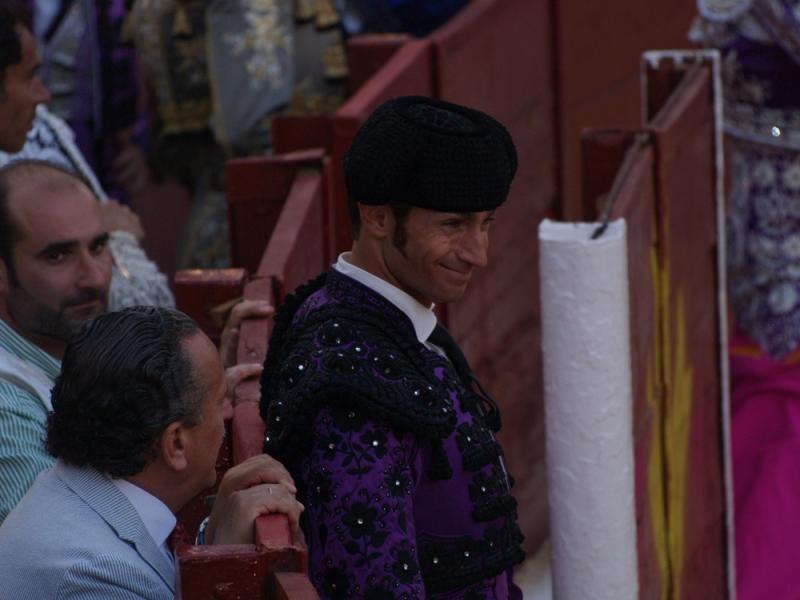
(228, 572)
(293, 586)
(248, 431)
(292, 133)
(254, 333)
(296, 250)
(240, 572)
(494, 55)
(199, 291)
(684, 138)
(273, 531)
(366, 55)
(256, 188)
(598, 79)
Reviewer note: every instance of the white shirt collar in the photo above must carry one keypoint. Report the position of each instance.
(158, 519)
(422, 317)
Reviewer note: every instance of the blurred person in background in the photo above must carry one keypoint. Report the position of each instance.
(217, 72)
(90, 71)
(760, 45)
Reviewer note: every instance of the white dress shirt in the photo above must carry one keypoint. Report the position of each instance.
(158, 519)
(422, 317)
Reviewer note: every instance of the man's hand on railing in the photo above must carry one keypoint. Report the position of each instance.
(258, 486)
(246, 309)
(238, 373)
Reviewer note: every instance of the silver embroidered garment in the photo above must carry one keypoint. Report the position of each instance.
(760, 44)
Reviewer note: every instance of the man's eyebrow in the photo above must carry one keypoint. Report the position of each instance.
(101, 239)
(67, 245)
(57, 247)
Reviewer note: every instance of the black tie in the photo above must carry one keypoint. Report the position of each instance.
(442, 338)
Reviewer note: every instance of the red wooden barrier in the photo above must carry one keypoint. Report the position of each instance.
(367, 54)
(290, 586)
(292, 133)
(256, 188)
(236, 571)
(596, 49)
(665, 189)
(296, 251)
(683, 134)
(206, 296)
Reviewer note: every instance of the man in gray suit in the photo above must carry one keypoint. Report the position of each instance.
(136, 426)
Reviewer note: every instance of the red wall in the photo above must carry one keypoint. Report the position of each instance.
(597, 49)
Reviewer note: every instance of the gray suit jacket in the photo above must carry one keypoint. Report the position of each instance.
(75, 535)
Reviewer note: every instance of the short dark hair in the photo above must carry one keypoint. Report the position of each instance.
(12, 14)
(124, 378)
(400, 212)
(355, 217)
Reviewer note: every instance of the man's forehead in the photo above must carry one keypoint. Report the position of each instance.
(205, 360)
(53, 212)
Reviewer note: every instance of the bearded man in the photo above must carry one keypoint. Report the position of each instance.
(55, 270)
(368, 400)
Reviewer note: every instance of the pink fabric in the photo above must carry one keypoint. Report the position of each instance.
(765, 405)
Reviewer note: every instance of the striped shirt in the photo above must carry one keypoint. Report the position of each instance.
(23, 421)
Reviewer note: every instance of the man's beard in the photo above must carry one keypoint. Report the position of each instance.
(32, 316)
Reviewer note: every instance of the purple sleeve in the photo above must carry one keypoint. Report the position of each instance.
(120, 92)
(359, 518)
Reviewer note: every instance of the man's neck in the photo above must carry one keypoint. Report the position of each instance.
(54, 347)
(363, 259)
(163, 484)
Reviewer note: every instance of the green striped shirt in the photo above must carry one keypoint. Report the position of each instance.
(23, 422)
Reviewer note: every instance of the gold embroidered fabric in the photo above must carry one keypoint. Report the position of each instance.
(322, 12)
(176, 63)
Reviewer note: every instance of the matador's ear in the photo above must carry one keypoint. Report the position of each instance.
(377, 220)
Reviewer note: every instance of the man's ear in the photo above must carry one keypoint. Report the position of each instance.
(378, 220)
(172, 446)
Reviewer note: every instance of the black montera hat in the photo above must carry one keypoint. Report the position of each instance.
(431, 154)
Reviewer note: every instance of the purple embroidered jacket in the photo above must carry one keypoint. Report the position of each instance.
(405, 490)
